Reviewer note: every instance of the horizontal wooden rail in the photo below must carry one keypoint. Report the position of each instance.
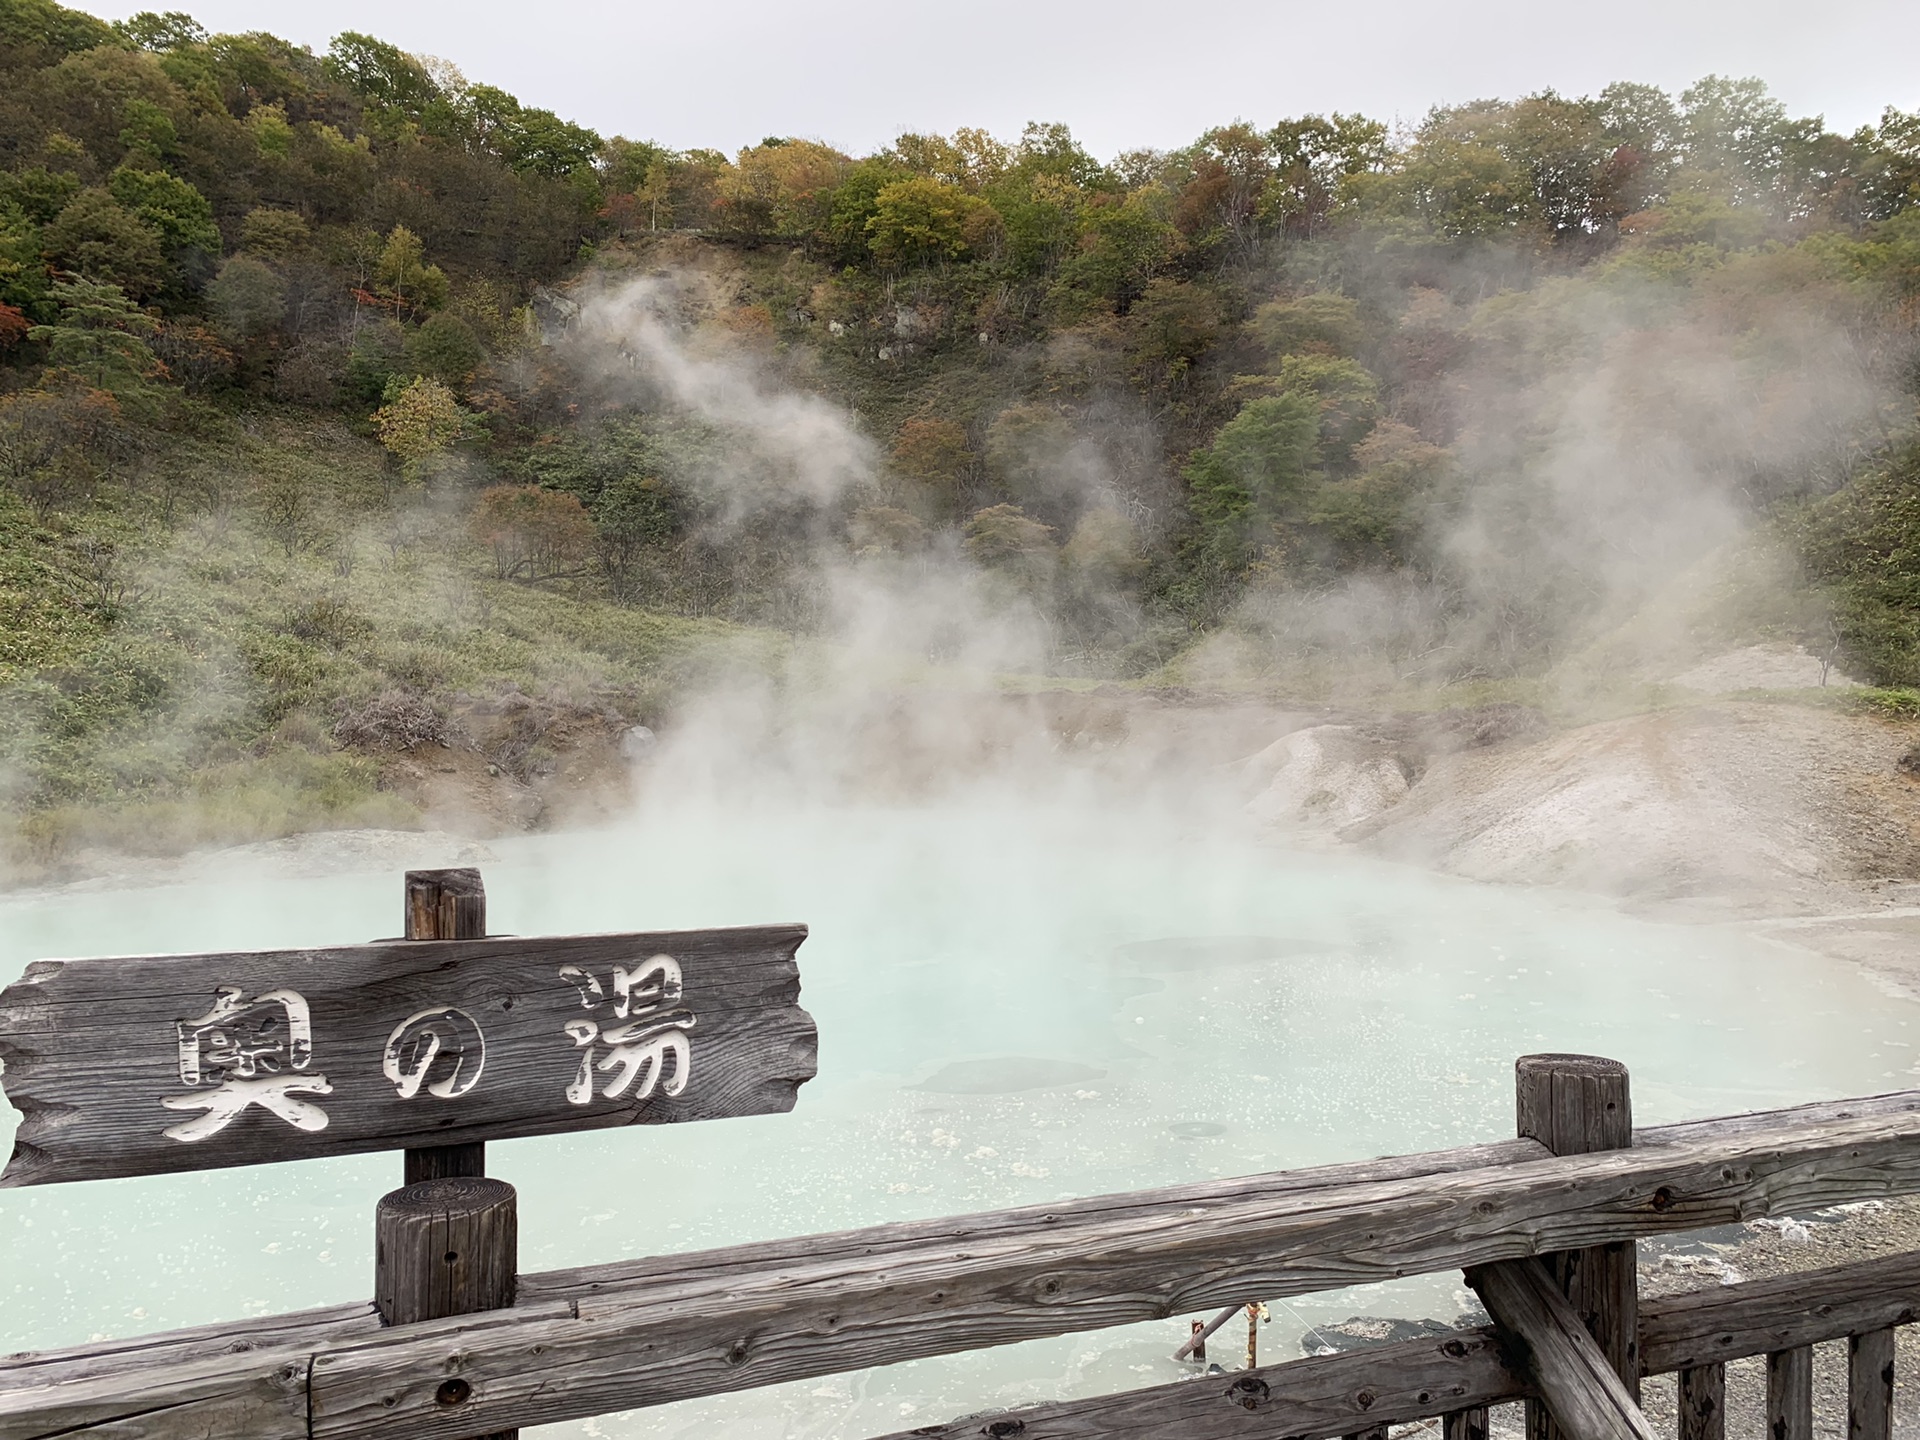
(616, 1337)
(1328, 1395)
(1763, 1317)
(1446, 1374)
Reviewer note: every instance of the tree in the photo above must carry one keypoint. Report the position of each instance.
(101, 339)
(383, 75)
(1005, 537)
(99, 239)
(170, 30)
(272, 132)
(274, 234)
(932, 450)
(45, 31)
(921, 221)
(57, 445)
(178, 214)
(419, 423)
(1125, 246)
(1255, 475)
(1314, 160)
(446, 348)
(532, 530)
(885, 530)
(1321, 322)
(403, 273)
(246, 299)
(634, 514)
(193, 355)
(786, 190)
(853, 204)
(149, 134)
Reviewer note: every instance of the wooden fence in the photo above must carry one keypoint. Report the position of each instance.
(1543, 1225)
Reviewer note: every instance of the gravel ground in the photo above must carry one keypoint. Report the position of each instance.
(1755, 1252)
(1728, 1255)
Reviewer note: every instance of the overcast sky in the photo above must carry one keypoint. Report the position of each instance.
(1123, 74)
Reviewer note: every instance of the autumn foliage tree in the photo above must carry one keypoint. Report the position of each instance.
(532, 531)
(419, 423)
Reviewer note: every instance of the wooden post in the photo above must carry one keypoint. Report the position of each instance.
(445, 1247)
(1870, 1385)
(447, 1242)
(1790, 1394)
(1465, 1424)
(1573, 1105)
(1703, 1402)
(1577, 1382)
(446, 905)
(1197, 1346)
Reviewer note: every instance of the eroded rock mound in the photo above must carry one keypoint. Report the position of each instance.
(1326, 777)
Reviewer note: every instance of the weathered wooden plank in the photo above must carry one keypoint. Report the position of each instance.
(1703, 1402)
(666, 1341)
(198, 1398)
(678, 1327)
(1758, 1317)
(1575, 1378)
(1576, 1105)
(1359, 1392)
(317, 1328)
(140, 1065)
(1752, 1122)
(445, 1247)
(1790, 1394)
(445, 905)
(1870, 1385)
(1472, 1424)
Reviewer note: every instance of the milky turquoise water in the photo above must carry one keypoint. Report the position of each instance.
(1015, 1004)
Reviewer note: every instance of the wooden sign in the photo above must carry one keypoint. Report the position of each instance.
(143, 1065)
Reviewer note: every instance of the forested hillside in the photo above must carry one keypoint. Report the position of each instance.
(344, 400)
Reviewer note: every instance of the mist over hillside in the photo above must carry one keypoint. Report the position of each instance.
(362, 424)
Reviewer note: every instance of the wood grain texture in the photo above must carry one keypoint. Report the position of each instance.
(1575, 1379)
(93, 1047)
(1576, 1105)
(1703, 1403)
(1790, 1394)
(1473, 1424)
(1758, 1317)
(1870, 1385)
(445, 1247)
(646, 1332)
(445, 905)
(322, 1327)
(1359, 1392)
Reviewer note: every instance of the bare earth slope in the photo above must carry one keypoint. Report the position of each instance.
(1766, 807)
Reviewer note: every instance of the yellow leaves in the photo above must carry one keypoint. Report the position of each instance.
(422, 421)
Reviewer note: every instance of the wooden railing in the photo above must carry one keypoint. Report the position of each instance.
(1546, 1237)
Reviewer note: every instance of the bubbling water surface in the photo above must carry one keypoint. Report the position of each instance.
(1017, 1003)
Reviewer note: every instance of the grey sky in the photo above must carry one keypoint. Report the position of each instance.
(1123, 74)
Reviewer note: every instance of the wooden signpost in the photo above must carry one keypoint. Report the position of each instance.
(435, 1044)
(149, 1064)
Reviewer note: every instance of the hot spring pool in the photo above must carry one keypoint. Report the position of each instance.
(1160, 1002)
